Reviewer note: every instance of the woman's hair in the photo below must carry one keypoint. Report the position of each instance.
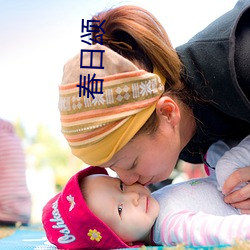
(136, 34)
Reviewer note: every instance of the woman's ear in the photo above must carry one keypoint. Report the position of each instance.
(168, 109)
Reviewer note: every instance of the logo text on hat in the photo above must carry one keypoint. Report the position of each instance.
(60, 224)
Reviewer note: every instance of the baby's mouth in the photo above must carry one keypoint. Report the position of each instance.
(147, 202)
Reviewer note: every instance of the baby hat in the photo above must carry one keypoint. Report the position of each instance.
(69, 223)
(99, 125)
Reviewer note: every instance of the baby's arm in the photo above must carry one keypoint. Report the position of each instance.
(237, 157)
(201, 229)
(214, 153)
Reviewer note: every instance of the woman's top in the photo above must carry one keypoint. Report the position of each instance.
(217, 68)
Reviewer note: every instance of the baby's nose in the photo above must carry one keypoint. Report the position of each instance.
(133, 197)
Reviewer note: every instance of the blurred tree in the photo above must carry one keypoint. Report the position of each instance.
(45, 150)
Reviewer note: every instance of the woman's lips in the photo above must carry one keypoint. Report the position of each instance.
(148, 183)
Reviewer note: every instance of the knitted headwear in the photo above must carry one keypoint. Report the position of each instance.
(69, 223)
(96, 128)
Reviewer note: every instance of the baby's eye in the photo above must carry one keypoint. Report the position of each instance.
(121, 186)
(120, 206)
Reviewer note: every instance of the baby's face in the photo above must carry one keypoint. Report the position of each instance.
(130, 211)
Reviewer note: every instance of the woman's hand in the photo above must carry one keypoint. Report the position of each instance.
(241, 197)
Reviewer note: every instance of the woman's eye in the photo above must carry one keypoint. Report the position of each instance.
(121, 186)
(120, 206)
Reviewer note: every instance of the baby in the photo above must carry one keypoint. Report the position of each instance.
(96, 211)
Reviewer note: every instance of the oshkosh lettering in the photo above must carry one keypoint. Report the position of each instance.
(67, 237)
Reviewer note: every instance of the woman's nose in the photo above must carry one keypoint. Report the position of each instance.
(126, 177)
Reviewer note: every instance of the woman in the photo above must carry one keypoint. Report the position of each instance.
(134, 124)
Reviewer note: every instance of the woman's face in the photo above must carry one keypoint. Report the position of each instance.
(147, 159)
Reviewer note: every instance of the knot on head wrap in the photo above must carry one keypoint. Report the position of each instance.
(96, 128)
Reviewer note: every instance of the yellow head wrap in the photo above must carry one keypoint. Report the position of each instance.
(97, 128)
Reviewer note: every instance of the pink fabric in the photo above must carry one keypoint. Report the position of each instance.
(201, 229)
(15, 200)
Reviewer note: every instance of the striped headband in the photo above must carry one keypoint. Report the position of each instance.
(98, 126)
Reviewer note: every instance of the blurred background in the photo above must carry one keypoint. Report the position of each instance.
(37, 38)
